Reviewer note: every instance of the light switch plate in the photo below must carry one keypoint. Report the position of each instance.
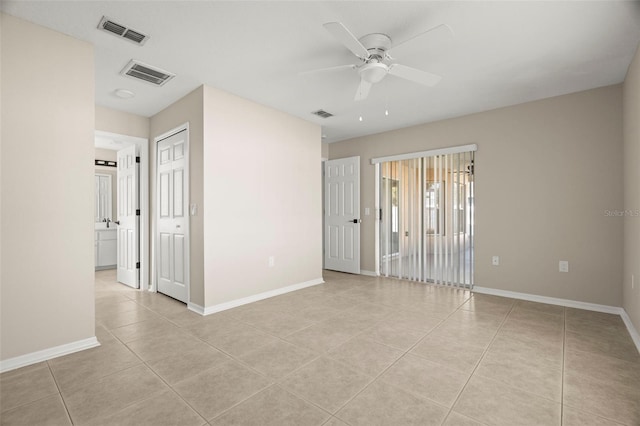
(563, 266)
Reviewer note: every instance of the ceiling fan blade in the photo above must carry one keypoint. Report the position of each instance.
(415, 75)
(329, 69)
(344, 36)
(363, 90)
(442, 30)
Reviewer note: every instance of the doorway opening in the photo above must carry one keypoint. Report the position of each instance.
(137, 241)
(425, 205)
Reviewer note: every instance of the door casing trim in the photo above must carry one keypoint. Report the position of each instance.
(187, 202)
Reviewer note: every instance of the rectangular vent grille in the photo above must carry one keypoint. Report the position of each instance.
(120, 30)
(147, 73)
(322, 113)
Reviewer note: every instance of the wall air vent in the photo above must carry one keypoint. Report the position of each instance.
(322, 113)
(147, 73)
(120, 30)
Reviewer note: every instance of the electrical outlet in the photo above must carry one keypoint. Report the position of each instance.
(367, 211)
(272, 261)
(495, 260)
(563, 266)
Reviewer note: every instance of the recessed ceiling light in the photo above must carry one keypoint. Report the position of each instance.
(124, 93)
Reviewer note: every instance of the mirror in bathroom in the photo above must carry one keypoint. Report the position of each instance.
(103, 197)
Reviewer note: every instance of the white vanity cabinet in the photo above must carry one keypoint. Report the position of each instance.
(106, 248)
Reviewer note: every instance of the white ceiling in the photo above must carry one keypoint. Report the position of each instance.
(503, 53)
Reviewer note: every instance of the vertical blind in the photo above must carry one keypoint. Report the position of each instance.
(427, 217)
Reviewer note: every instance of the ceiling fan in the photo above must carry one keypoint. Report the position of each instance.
(373, 50)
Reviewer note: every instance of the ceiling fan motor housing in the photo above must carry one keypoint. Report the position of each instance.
(376, 44)
(374, 70)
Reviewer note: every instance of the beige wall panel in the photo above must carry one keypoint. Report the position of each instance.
(262, 198)
(47, 273)
(546, 172)
(186, 110)
(122, 123)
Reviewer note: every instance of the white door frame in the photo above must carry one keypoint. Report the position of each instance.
(143, 149)
(322, 161)
(187, 202)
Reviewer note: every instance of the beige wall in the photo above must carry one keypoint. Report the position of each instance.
(254, 177)
(122, 123)
(325, 150)
(189, 109)
(631, 120)
(546, 171)
(47, 189)
(262, 198)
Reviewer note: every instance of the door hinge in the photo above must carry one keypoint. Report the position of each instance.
(137, 159)
(138, 212)
(137, 265)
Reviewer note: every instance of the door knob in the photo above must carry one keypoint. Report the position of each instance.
(117, 222)
(356, 221)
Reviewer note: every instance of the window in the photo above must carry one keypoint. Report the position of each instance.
(433, 200)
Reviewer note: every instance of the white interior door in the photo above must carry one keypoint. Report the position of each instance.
(171, 241)
(128, 218)
(342, 215)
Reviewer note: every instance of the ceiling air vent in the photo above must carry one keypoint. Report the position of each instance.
(147, 73)
(322, 113)
(123, 31)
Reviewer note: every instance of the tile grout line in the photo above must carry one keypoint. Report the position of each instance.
(397, 360)
(479, 362)
(161, 379)
(142, 362)
(358, 335)
(325, 353)
(239, 361)
(273, 382)
(64, 403)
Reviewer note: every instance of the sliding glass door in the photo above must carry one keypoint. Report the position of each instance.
(426, 218)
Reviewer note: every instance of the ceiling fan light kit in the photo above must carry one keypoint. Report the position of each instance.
(373, 72)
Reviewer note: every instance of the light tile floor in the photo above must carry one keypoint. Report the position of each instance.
(354, 351)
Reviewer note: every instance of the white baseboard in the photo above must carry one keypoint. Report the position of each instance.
(208, 310)
(368, 273)
(47, 354)
(549, 300)
(632, 330)
(569, 304)
(195, 308)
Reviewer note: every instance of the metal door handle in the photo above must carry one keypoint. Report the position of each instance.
(355, 221)
(117, 222)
